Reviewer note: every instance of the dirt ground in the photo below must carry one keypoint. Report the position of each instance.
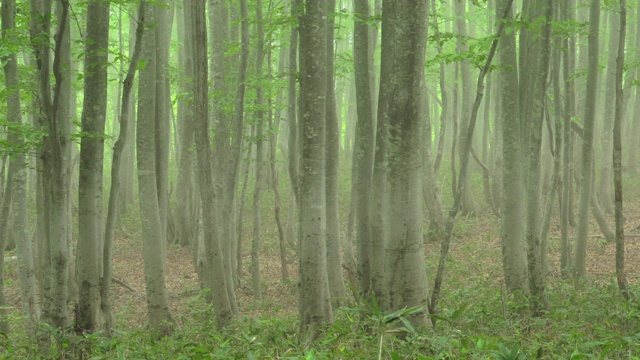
(182, 283)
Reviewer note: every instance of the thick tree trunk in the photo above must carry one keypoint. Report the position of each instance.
(364, 150)
(94, 113)
(315, 305)
(405, 23)
(514, 260)
(153, 235)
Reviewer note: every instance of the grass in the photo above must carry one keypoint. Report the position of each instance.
(477, 319)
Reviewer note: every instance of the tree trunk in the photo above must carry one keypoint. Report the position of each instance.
(315, 305)
(364, 151)
(568, 9)
(162, 28)
(604, 194)
(215, 277)
(337, 289)
(259, 177)
(116, 175)
(514, 260)
(186, 213)
(405, 24)
(617, 156)
(55, 160)
(468, 205)
(153, 236)
(16, 195)
(587, 144)
(94, 112)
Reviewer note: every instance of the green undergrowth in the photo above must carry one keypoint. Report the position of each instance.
(477, 322)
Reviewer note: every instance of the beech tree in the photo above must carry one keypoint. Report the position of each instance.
(91, 163)
(315, 305)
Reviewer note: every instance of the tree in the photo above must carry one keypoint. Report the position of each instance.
(94, 112)
(533, 87)
(215, 275)
(603, 192)
(116, 174)
(153, 235)
(55, 161)
(405, 24)
(334, 264)
(15, 194)
(315, 304)
(186, 203)
(617, 156)
(364, 151)
(514, 259)
(587, 143)
(257, 191)
(468, 205)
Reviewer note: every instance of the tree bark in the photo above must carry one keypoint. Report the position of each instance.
(514, 260)
(617, 156)
(116, 175)
(315, 305)
(406, 25)
(153, 235)
(364, 151)
(216, 277)
(94, 113)
(587, 144)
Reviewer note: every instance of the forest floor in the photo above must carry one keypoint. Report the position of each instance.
(474, 262)
(476, 248)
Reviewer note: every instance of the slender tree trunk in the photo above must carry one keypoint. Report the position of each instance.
(186, 212)
(468, 205)
(568, 9)
(457, 202)
(337, 288)
(617, 155)
(116, 176)
(15, 193)
(215, 277)
(259, 177)
(605, 175)
(587, 144)
(162, 28)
